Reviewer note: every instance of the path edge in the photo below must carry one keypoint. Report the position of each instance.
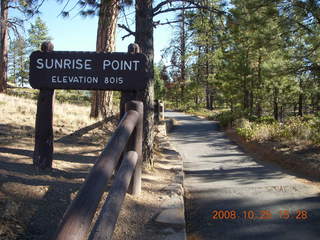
(173, 214)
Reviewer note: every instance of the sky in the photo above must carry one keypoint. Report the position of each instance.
(79, 34)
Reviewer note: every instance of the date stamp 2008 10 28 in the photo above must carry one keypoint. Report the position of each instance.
(299, 214)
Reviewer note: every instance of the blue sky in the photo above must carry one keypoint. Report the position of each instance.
(79, 34)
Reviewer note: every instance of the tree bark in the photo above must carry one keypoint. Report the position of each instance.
(101, 101)
(4, 46)
(259, 109)
(183, 39)
(144, 38)
(275, 103)
(300, 102)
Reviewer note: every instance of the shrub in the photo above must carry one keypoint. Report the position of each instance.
(242, 123)
(226, 118)
(266, 119)
(315, 131)
(294, 129)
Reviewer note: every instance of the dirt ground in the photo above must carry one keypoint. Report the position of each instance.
(300, 159)
(32, 202)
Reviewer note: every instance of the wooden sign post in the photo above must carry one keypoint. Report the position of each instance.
(43, 147)
(51, 70)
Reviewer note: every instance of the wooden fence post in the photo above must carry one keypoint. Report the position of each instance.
(105, 225)
(43, 148)
(77, 219)
(135, 144)
(128, 95)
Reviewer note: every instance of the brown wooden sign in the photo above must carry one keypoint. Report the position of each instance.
(88, 71)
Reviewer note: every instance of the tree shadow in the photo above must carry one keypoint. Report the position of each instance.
(40, 198)
(266, 220)
(225, 178)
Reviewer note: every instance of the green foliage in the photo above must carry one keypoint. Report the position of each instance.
(227, 118)
(266, 119)
(315, 131)
(259, 60)
(38, 33)
(20, 48)
(23, 92)
(18, 61)
(159, 89)
(294, 129)
(73, 96)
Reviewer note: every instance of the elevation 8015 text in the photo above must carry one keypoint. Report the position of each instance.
(88, 71)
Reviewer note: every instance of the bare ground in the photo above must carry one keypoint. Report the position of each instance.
(301, 159)
(32, 203)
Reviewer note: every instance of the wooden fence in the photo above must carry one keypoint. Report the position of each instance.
(127, 142)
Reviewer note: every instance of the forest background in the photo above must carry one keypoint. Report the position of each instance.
(250, 64)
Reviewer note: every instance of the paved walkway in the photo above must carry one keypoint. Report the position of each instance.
(232, 196)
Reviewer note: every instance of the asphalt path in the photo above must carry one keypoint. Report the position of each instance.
(230, 195)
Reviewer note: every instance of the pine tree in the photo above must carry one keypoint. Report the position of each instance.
(18, 59)
(26, 8)
(37, 34)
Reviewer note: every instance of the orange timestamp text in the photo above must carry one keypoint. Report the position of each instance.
(259, 214)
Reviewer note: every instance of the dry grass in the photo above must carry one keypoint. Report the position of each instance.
(32, 203)
(22, 112)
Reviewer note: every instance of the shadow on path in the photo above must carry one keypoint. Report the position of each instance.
(220, 178)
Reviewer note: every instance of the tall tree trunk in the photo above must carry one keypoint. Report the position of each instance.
(4, 46)
(300, 99)
(245, 94)
(317, 106)
(276, 103)
(300, 106)
(144, 38)
(183, 53)
(246, 91)
(259, 109)
(101, 101)
(197, 97)
(208, 90)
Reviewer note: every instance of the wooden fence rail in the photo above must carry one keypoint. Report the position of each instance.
(77, 220)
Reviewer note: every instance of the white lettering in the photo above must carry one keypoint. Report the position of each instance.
(115, 65)
(106, 63)
(58, 64)
(40, 62)
(43, 63)
(121, 65)
(136, 65)
(87, 65)
(65, 79)
(76, 79)
(47, 64)
(79, 64)
(113, 80)
(127, 65)
(67, 63)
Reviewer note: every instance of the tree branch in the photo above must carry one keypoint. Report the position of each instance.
(192, 5)
(158, 23)
(160, 5)
(174, 9)
(130, 32)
